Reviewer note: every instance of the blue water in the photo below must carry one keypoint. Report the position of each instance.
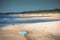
(22, 32)
(9, 19)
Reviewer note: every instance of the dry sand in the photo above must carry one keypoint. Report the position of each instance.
(37, 31)
(9, 33)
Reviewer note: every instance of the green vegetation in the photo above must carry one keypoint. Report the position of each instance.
(37, 11)
(42, 11)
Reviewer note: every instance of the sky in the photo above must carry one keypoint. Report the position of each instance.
(27, 5)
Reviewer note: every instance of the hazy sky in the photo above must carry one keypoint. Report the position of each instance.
(27, 5)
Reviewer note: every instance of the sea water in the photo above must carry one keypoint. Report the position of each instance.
(9, 19)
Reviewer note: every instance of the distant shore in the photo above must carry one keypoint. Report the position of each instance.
(38, 16)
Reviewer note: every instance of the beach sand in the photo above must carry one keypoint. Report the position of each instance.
(36, 31)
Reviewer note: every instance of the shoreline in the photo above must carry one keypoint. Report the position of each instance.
(41, 31)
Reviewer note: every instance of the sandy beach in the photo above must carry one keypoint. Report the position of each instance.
(36, 31)
(38, 16)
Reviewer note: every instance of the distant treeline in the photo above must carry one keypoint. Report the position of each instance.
(37, 11)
